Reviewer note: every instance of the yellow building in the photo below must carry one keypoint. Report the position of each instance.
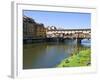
(41, 31)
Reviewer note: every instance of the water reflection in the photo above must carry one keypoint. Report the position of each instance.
(48, 55)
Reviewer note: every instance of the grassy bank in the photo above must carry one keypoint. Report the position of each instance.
(82, 58)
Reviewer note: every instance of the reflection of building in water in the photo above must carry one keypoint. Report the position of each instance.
(31, 29)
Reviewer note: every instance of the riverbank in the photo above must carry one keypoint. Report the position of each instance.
(82, 58)
(45, 39)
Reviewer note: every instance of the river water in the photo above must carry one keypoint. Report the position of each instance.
(50, 54)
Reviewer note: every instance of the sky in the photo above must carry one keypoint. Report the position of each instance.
(65, 20)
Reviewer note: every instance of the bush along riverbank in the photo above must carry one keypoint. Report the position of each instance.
(82, 58)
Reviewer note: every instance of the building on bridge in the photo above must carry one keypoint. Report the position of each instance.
(69, 33)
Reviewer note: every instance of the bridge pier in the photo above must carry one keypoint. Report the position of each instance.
(78, 41)
(61, 40)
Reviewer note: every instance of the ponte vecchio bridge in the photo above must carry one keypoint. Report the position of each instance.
(63, 34)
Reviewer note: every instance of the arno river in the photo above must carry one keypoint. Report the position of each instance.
(50, 54)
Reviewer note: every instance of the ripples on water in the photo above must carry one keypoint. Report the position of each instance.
(48, 55)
